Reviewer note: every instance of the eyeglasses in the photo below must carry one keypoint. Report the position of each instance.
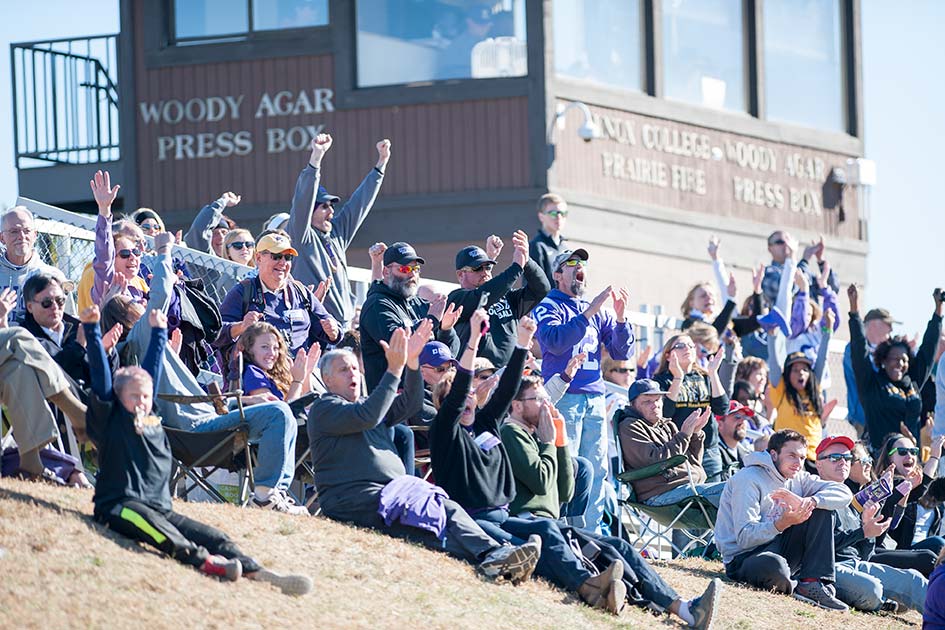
(128, 253)
(486, 266)
(622, 370)
(150, 226)
(405, 269)
(242, 244)
(835, 458)
(557, 213)
(282, 256)
(780, 241)
(440, 369)
(59, 301)
(903, 451)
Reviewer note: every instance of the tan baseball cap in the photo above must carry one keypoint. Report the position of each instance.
(276, 244)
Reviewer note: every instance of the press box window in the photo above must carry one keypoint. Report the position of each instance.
(803, 63)
(600, 41)
(410, 41)
(704, 53)
(202, 21)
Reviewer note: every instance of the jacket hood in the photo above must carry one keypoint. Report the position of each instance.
(763, 460)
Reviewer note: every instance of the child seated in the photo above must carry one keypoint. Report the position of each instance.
(269, 372)
(132, 495)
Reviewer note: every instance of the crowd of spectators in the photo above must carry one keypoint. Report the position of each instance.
(528, 393)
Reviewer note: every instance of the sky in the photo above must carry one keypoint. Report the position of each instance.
(904, 104)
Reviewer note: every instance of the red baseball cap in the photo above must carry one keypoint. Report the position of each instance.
(830, 440)
(736, 407)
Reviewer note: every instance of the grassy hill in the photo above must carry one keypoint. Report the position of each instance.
(60, 569)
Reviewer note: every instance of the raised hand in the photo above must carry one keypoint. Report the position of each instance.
(395, 351)
(112, 337)
(484, 389)
(89, 315)
(938, 295)
(176, 341)
(853, 294)
(757, 277)
(694, 422)
(320, 145)
(157, 318)
(520, 248)
(230, 199)
(437, 306)
(416, 341)
(450, 316)
(914, 477)
(714, 245)
(331, 328)
(825, 274)
(322, 289)
(545, 431)
(830, 318)
(574, 364)
(732, 287)
(525, 331)
(383, 153)
(101, 184)
(873, 522)
(936, 448)
(620, 298)
(800, 279)
(598, 302)
(644, 356)
(478, 324)
(298, 365)
(716, 361)
(494, 246)
(376, 251)
(163, 242)
(674, 367)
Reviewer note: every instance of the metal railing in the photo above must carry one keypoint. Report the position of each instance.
(65, 101)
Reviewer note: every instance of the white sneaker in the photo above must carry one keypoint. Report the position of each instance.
(280, 501)
(289, 584)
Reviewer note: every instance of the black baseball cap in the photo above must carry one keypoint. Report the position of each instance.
(401, 253)
(323, 196)
(472, 256)
(642, 387)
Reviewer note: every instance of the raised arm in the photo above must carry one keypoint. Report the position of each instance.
(303, 200)
(153, 362)
(103, 264)
(410, 401)
(99, 371)
(348, 220)
(921, 366)
(494, 410)
(826, 333)
(201, 230)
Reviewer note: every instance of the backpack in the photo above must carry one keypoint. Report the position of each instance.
(199, 324)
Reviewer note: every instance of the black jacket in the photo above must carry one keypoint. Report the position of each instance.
(543, 251)
(505, 305)
(69, 354)
(385, 311)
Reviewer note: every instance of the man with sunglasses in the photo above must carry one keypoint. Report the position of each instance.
(19, 260)
(549, 242)
(322, 234)
(862, 582)
(569, 325)
(504, 304)
(782, 247)
(393, 303)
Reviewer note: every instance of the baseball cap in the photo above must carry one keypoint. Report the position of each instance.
(276, 244)
(736, 407)
(882, 315)
(323, 196)
(568, 254)
(641, 387)
(472, 256)
(830, 440)
(436, 353)
(401, 253)
(481, 364)
(797, 357)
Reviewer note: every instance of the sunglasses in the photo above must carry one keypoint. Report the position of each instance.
(149, 226)
(283, 256)
(865, 461)
(903, 451)
(440, 369)
(538, 398)
(486, 266)
(405, 269)
(574, 262)
(58, 301)
(128, 253)
(835, 458)
(242, 244)
(557, 213)
(621, 370)
(780, 241)
(679, 345)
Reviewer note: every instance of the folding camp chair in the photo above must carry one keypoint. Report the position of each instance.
(693, 517)
(304, 472)
(421, 457)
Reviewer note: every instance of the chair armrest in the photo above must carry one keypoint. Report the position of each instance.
(651, 470)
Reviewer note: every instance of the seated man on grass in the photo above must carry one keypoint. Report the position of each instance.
(361, 479)
(775, 523)
(132, 493)
(544, 478)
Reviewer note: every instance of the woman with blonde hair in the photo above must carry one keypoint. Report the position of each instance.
(240, 247)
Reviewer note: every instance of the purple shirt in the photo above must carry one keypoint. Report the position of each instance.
(255, 378)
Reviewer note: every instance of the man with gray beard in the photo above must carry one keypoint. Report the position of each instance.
(393, 303)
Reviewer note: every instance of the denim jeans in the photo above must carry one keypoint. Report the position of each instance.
(573, 511)
(584, 418)
(557, 563)
(274, 429)
(710, 491)
(865, 585)
(402, 437)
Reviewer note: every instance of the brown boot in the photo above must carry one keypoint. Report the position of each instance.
(606, 590)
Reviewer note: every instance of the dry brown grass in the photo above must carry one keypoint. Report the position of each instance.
(62, 570)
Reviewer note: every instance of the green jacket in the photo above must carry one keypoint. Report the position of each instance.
(544, 473)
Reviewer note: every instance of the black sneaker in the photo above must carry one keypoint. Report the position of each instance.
(703, 607)
(890, 606)
(817, 593)
(512, 564)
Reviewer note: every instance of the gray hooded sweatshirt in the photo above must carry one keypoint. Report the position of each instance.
(746, 512)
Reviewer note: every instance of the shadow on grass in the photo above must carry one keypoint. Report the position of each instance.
(122, 541)
(699, 571)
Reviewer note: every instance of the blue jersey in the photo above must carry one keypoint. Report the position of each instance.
(563, 332)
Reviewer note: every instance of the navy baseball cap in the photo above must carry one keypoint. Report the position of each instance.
(567, 255)
(323, 196)
(472, 256)
(401, 253)
(436, 353)
(641, 387)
